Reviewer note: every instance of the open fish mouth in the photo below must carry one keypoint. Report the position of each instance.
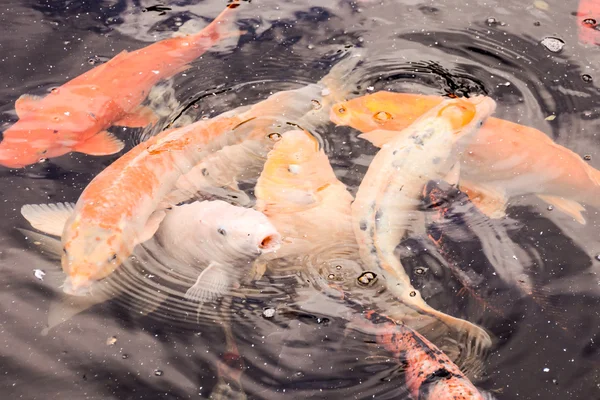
(270, 243)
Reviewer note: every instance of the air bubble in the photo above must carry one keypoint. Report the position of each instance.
(274, 136)
(552, 44)
(158, 372)
(587, 78)
(587, 157)
(316, 105)
(268, 312)
(366, 278)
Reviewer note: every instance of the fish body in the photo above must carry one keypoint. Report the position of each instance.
(218, 238)
(503, 161)
(75, 116)
(301, 195)
(387, 200)
(429, 373)
(124, 205)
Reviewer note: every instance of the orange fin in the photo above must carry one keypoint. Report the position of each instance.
(489, 200)
(379, 137)
(101, 144)
(569, 207)
(138, 118)
(26, 103)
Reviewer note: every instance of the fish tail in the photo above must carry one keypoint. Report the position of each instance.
(220, 28)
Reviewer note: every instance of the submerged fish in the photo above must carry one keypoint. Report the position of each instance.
(124, 205)
(429, 373)
(451, 219)
(75, 116)
(220, 239)
(503, 161)
(387, 199)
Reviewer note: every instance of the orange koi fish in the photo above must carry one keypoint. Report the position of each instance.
(386, 202)
(429, 373)
(75, 116)
(504, 159)
(300, 194)
(124, 205)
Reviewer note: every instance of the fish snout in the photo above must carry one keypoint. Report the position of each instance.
(269, 242)
(77, 285)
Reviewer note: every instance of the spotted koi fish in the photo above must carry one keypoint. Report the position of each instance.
(386, 203)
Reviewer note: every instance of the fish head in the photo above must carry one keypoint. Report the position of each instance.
(247, 231)
(382, 110)
(90, 255)
(466, 116)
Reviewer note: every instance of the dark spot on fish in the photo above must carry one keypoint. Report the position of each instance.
(169, 208)
(363, 225)
(373, 250)
(91, 114)
(222, 231)
(204, 172)
(64, 250)
(431, 379)
(234, 5)
(395, 152)
(378, 216)
(401, 187)
(436, 160)
(55, 131)
(233, 196)
(418, 140)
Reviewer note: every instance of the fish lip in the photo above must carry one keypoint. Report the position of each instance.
(270, 243)
(78, 288)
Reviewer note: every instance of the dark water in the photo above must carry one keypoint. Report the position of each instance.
(307, 349)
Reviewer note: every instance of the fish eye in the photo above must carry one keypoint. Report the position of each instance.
(112, 258)
(222, 231)
(65, 250)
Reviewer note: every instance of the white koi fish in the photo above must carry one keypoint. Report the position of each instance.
(386, 202)
(221, 238)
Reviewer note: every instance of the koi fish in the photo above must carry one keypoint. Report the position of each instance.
(588, 14)
(429, 373)
(450, 215)
(124, 205)
(300, 194)
(219, 175)
(503, 161)
(224, 237)
(75, 116)
(388, 197)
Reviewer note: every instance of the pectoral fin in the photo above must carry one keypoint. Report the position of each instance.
(26, 103)
(138, 118)
(214, 282)
(151, 226)
(489, 200)
(453, 175)
(102, 144)
(569, 207)
(48, 218)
